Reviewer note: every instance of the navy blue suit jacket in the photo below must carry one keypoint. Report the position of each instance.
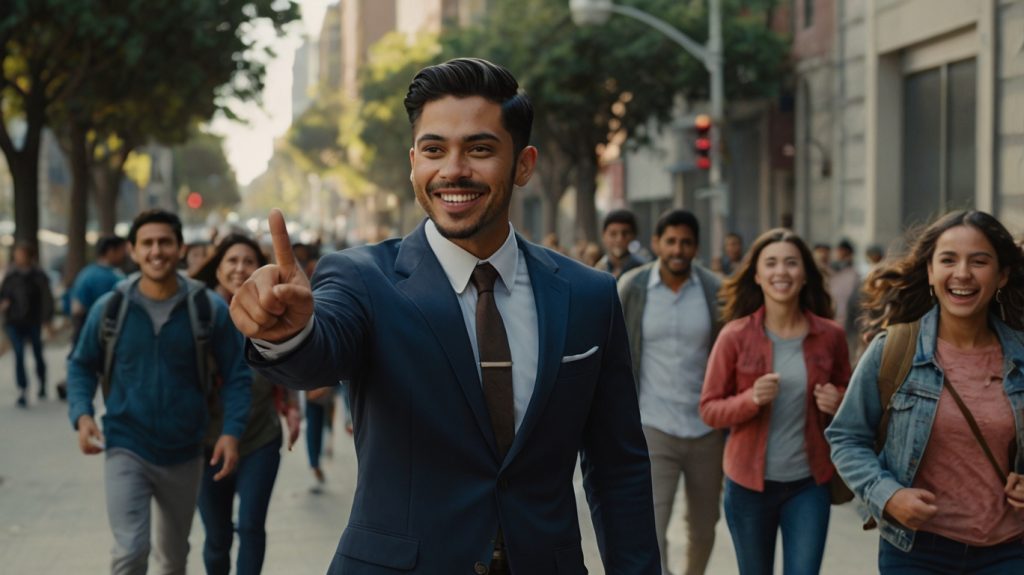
(431, 488)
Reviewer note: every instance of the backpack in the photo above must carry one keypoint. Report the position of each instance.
(897, 359)
(200, 316)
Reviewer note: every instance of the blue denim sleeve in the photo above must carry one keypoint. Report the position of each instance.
(852, 435)
(228, 348)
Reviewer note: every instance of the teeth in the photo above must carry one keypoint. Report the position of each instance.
(961, 292)
(459, 198)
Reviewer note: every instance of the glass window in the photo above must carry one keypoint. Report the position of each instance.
(939, 158)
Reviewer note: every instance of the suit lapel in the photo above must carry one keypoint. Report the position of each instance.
(429, 289)
(551, 295)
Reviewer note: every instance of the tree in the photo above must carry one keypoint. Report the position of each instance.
(40, 43)
(137, 70)
(200, 166)
(590, 84)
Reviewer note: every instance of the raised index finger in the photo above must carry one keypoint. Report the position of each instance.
(283, 253)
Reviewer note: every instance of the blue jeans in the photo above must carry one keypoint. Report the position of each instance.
(253, 480)
(315, 414)
(18, 335)
(933, 553)
(800, 508)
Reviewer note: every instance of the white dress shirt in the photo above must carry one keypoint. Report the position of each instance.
(513, 295)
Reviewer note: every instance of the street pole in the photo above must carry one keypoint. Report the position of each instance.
(596, 12)
(714, 65)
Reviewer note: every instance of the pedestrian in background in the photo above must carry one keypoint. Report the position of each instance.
(259, 449)
(844, 285)
(155, 398)
(946, 493)
(775, 378)
(672, 317)
(617, 233)
(732, 255)
(27, 304)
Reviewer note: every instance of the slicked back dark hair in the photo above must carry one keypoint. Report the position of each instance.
(674, 218)
(467, 77)
(156, 216)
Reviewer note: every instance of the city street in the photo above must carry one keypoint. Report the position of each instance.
(53, 519)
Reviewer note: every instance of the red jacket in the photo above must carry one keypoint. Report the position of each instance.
(742, 354)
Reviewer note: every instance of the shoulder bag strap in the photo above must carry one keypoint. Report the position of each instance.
(975, 430)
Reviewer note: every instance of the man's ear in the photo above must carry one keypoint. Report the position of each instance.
(525, 164)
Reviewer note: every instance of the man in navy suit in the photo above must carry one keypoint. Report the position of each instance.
(466, 454)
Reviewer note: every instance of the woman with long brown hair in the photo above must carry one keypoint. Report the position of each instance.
(235, 258)
(944, 487)
(775, 377)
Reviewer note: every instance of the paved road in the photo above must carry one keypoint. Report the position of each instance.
(53, 519)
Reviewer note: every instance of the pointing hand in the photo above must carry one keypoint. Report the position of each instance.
(276, 302)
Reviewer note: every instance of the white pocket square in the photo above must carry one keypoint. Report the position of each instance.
(579, 356)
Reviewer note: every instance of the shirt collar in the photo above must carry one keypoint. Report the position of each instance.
(655, 279)
(458, 264)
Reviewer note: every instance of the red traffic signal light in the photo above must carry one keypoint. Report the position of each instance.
(194, 200)
(702, 144)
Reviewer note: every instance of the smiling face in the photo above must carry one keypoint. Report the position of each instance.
(781, 273)
(157, 252)
(238, 263)
(964, 273)
(616, 237)
(676, 247)
(464, 168)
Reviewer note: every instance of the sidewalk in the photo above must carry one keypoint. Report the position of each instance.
(53, 517)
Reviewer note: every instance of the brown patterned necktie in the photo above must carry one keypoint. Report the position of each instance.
(495, 358)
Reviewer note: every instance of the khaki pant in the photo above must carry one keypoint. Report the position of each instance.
(699, 462)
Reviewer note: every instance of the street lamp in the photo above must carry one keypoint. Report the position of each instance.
(597, 12)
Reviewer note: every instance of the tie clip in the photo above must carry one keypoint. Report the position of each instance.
(495, 364)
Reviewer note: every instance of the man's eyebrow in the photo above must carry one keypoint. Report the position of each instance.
(430, 138)
(482, 136)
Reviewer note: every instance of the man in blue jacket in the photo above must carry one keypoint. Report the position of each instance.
(156, 411)
(481, 365)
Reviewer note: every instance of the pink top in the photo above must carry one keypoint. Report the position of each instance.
(970, 498)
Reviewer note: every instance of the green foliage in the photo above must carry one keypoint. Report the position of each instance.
(200, 166)
(383, 128)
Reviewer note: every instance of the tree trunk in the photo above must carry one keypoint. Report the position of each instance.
(109, 175)
(78, 214)
(24, 168)
(586, 189)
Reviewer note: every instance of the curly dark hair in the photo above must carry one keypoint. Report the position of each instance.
(897, 291)
(742, 295)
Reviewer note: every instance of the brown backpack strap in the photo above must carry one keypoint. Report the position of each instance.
(975, 430)
(897, 359)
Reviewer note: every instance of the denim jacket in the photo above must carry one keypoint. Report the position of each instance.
(874, 478)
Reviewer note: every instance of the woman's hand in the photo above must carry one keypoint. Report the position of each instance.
(827, 397)
(911, 507)
(1014, 490)
(766, 389)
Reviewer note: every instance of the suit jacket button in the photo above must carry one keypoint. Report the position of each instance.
(480, 568)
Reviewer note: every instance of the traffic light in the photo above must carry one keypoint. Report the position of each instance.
(194, 200)
(702, 144)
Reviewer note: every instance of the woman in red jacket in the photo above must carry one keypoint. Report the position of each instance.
(775, 377)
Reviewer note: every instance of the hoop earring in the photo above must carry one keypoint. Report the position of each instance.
(931, 291)
(1002, 308)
